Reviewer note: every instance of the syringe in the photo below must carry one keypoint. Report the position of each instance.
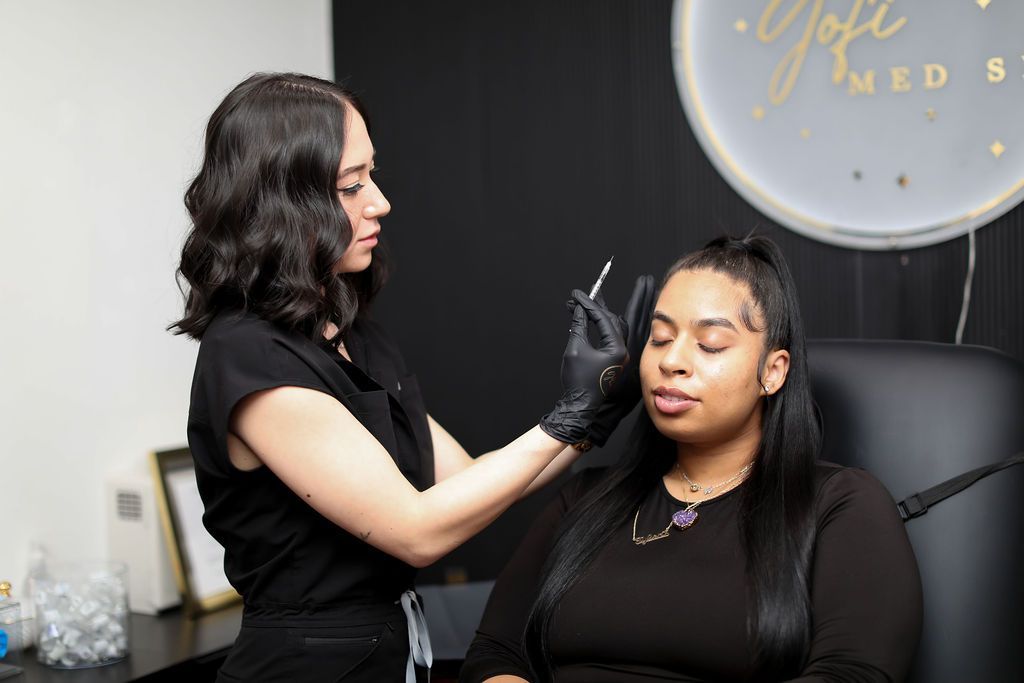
(600, 278)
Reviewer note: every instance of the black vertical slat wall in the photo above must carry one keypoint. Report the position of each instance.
(521, 144)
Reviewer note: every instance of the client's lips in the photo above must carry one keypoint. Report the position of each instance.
(672, 401)
(370, 238)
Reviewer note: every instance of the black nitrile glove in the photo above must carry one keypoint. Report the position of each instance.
(624, 396)
(585, 369)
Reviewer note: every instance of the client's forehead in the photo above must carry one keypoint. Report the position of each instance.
(703, 298)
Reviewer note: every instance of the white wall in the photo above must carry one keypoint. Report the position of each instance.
(102, 109)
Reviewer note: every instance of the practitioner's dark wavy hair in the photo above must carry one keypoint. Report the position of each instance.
(267, 226)
(776, 520)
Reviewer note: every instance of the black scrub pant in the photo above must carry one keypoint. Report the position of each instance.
(369, 644)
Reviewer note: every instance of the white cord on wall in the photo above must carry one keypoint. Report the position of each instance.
(966, 305)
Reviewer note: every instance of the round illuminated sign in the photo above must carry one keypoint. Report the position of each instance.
(866, 123)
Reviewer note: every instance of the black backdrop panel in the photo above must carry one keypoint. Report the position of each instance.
(523, 143)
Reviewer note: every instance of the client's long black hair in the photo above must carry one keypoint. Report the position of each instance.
(777, 521)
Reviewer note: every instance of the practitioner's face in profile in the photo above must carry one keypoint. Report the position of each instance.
(699, 371)
(362, 200)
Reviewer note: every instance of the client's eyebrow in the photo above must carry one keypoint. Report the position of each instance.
(658, 315)
(703, 322)
(715, 322)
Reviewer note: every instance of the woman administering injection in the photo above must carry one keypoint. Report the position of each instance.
(322, 474)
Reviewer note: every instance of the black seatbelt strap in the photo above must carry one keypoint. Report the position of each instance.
(918, 503)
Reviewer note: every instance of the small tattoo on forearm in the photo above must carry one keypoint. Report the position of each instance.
(365, 536)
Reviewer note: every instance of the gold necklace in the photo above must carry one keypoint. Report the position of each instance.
(694, 486)
(685, 518)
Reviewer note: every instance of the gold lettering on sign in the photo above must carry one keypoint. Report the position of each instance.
(864, 85)
(786, 71)
(996, 70)
(935, 76)
(829, 30)
(900, 78)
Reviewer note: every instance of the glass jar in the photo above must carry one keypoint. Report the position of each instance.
(82, 614)
(14, 620)
(11, 625)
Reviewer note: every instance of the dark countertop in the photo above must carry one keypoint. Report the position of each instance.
(159, 646)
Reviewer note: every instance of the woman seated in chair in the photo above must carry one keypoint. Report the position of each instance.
(719, 548)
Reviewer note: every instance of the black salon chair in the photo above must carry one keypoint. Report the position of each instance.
(915, 414)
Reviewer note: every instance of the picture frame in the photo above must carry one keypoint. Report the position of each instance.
(197, 559)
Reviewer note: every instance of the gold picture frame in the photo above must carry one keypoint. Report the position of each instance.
(197, 559)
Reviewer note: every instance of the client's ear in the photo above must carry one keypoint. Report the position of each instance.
(775, 370)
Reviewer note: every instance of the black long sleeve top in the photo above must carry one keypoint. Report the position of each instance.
(676, 609)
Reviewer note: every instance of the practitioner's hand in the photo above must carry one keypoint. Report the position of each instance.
(626, 393)
(587, 372)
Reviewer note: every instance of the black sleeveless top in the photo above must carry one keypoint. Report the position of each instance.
(280, 554)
